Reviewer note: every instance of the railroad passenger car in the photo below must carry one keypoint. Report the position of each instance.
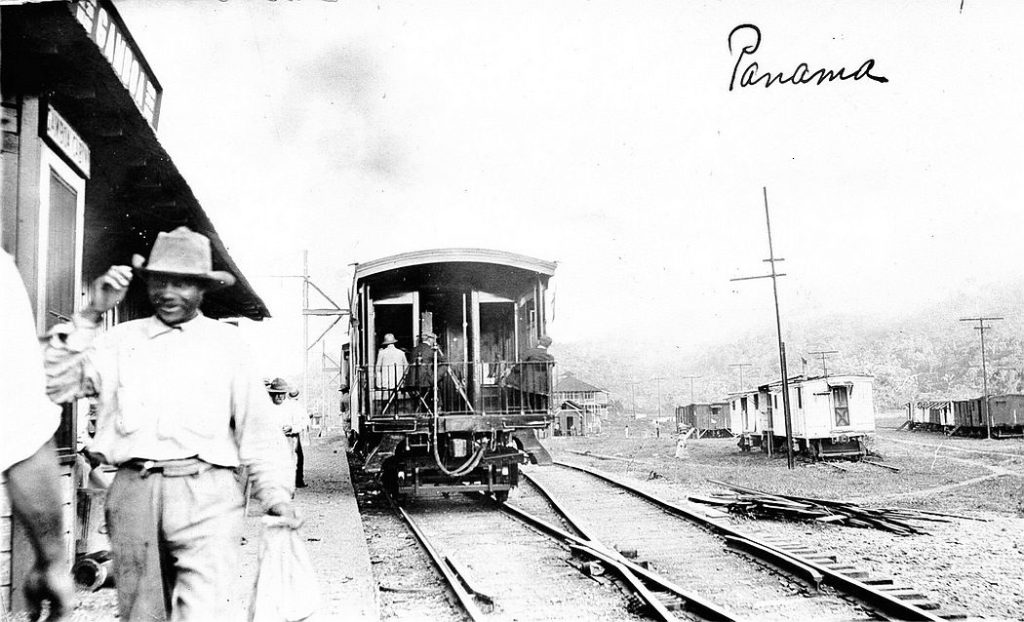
(831, 415)
(463, 415)
(707, 419)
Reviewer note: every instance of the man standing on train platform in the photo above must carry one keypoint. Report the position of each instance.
(28, 459)
(294, 423)
(179, 409)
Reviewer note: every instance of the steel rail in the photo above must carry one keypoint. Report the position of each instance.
(631, 572)
(878, 599)
(454, 581)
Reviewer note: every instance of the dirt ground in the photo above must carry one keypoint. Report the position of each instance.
(971, 566)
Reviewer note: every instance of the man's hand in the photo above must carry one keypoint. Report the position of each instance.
(49, 583)
(287, 510)
(107, 291)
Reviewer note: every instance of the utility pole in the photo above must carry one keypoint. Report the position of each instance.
(772, 259)
(824, 353)
(740, 366)
(632, 395)
(305, 326)
(984, 373)
(333, 311)
(659, 379)
(693, 398)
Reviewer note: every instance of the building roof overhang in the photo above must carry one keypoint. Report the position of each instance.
(135, 190)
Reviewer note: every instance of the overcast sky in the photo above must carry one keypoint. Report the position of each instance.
(603, 135)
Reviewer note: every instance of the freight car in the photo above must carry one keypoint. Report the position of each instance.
(831, 416)
(707, 419)
(448, 385)
(967, 416)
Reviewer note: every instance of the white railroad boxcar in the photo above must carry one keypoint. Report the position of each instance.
(745, 420)
(831, 415)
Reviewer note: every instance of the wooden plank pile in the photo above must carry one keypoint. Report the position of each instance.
(758, 504)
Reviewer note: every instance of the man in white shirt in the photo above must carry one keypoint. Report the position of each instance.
(294, 423)
(27, 457)
(391, 365)
(179, 409)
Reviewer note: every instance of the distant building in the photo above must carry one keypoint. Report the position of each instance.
(582, 407)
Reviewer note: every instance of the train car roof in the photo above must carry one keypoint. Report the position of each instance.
(454, 255)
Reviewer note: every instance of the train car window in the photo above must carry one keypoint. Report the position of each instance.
(799, 397)
(756, 405)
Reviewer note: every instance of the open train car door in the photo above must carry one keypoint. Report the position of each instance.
(497, 346)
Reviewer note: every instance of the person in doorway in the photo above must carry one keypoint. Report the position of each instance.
(28, 458)
(536, 376)
(391, 365)
(179, 410)
(294, 422)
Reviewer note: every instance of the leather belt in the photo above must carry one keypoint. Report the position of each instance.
(168, 468)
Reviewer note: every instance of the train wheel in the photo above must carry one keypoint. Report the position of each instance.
(501, 496)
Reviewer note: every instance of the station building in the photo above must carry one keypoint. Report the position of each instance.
(85, 185)
(582, 407)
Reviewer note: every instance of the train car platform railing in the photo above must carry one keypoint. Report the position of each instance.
(500, 387)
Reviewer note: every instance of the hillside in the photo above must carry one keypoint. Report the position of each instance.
(927, 354)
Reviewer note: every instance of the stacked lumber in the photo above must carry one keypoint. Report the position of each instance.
(759, 504)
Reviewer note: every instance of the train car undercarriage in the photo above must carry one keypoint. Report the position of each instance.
(413, 465)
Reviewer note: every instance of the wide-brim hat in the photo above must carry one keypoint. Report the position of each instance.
(389, 339)
(427, 334)
(279, 385)
(183, 252)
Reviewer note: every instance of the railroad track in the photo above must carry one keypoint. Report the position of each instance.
(788, 581)
(501, 569)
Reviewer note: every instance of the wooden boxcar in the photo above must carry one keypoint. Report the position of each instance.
(1007, 415)
(707, 419)
(463, 415)
(967, 413)
(1007, 410)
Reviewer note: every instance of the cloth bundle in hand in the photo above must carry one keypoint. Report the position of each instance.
(286, 586)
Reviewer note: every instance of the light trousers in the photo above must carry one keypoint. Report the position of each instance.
(175, 543)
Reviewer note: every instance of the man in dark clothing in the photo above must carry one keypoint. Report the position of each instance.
(536, 376)
(421, 372)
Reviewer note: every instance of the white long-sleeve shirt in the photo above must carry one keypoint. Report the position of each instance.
(172, 392)
(391, 364)
(27, 418)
